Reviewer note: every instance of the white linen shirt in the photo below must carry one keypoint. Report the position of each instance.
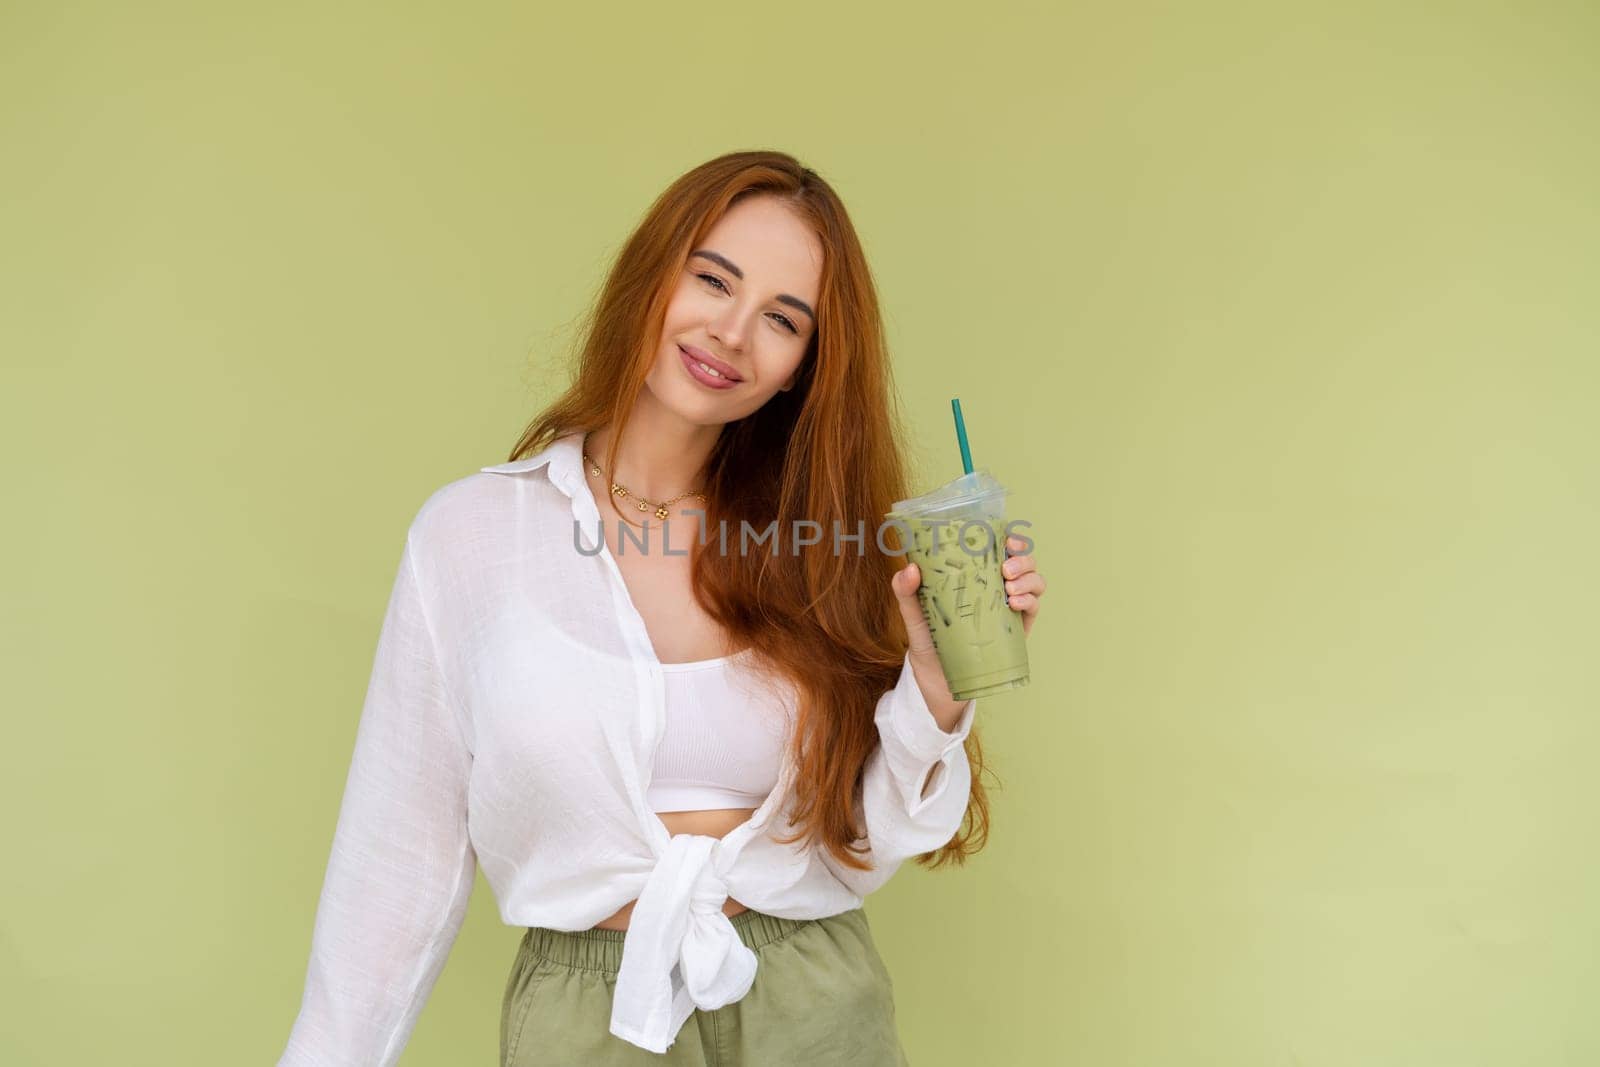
(510, 722)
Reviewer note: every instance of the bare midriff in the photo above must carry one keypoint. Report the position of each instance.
(708, 823)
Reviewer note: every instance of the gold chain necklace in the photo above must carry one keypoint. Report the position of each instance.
(621, 492)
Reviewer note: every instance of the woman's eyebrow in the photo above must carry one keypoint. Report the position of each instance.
(728, 265)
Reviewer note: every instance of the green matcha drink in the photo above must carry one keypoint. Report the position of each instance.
(957, 538)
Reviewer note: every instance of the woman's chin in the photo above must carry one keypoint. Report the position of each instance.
(688, 404)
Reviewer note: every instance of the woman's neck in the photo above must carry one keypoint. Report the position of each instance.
(661, 455)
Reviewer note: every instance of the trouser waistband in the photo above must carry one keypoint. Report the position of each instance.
(601, 950)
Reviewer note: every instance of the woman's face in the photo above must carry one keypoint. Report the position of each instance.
(745, 304)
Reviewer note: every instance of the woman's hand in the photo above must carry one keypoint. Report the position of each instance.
(1024, 583)
(1024, 587)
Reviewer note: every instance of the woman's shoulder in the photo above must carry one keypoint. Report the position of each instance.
(485, 504)
(467, 524)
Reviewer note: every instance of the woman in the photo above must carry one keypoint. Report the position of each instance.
(682, 741)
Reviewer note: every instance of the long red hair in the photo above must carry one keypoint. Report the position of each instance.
(828, 450)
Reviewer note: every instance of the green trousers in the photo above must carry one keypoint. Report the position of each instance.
(822, 997)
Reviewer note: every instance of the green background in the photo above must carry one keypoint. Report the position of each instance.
(1280, 318)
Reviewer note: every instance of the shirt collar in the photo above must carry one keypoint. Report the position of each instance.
(564, 458)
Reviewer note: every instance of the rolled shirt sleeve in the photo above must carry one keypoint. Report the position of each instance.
(901, 821)
(402, 866)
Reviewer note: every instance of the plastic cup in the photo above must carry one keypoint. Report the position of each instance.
(956, 536)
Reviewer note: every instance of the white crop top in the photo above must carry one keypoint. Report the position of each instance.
(724, 737)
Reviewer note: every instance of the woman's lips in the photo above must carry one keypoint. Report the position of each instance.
(712, 361)
(700, 375)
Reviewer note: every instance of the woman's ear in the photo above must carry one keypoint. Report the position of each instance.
(788, 385)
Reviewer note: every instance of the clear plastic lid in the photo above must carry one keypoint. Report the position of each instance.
(978, 491)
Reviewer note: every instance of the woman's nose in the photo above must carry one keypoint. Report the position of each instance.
(728, 329)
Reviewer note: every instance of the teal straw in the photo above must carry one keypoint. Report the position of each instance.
(961, 436)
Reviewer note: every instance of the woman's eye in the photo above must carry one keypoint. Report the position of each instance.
(788, 325)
